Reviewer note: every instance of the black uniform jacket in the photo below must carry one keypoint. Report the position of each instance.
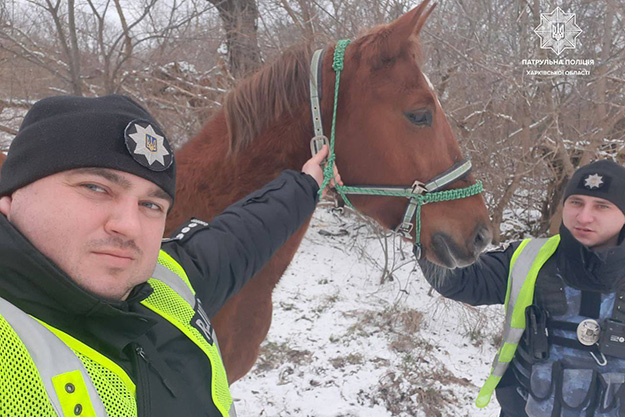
(174, 377)
(485, 282)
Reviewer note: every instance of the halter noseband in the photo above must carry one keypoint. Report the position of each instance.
(418, 194)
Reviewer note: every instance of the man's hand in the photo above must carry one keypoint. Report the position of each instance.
(313, 168)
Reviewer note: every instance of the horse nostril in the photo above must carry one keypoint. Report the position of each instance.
(482, 238)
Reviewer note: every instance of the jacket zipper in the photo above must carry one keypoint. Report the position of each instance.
(143, 382)
(145, 359)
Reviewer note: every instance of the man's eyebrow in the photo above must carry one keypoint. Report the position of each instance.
(604, 201)
(159, 193)
(106, 174)
(110, 175)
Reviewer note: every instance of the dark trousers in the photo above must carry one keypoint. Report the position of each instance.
(511, 402)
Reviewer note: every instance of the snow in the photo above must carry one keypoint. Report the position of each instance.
(342, 344)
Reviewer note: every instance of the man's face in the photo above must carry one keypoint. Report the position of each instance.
(595, 222)
(101, 226)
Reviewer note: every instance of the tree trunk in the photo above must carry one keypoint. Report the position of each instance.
(239, 18)
(601, 111)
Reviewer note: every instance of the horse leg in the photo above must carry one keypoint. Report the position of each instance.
(243, 322)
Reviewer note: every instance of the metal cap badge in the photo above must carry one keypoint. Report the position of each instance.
(148, 145)
(593, 181)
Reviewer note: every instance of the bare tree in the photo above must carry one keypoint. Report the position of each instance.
(86, 45)
(525, 133)
(240, 20)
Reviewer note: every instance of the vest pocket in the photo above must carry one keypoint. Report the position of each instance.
(540, 401)
(612, 391)
(556, 390)
(541, 380)
(579, 388)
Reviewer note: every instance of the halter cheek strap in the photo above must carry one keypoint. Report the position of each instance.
(418, 194)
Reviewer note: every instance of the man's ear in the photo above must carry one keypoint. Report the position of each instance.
(621, 236)
(5, 204)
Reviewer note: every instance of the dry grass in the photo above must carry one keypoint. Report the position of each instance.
(418, 382)
(273, 355)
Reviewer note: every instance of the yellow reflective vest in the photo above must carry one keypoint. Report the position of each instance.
(526, 262)
(46, 372)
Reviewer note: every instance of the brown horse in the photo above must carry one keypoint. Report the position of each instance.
(390, 130)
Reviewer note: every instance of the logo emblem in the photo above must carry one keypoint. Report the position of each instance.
(588, 332)
(557, 31)
(151, 143)
(593, 181)
(148, 146)
(201, 322)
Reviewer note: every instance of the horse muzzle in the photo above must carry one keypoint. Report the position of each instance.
(450, 254)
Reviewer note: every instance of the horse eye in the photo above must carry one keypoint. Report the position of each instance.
(420, 117)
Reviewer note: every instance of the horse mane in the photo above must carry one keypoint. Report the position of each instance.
(280, 87)
(260, 99)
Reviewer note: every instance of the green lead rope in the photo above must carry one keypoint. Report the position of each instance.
(328, 171)
(419, 198)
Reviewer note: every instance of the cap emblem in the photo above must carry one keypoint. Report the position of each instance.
(148, 147)
(593, 181)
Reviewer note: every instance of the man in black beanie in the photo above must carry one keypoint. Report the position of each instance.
(563, 346)
(96, 317)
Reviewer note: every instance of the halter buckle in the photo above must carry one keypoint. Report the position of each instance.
(405, 229)
(418, 188)
(317, 143)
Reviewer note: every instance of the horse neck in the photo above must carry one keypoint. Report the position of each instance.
(209, 178)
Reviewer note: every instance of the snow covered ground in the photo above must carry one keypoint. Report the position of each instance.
(342, 344)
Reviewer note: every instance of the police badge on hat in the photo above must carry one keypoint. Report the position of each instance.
(148, 145)
(595, 182)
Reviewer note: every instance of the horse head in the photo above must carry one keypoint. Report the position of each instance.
(391, 130)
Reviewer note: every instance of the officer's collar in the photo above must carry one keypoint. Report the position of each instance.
(600, 268)
(36, 285)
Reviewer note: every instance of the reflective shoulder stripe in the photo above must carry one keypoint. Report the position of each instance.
(525, 264)
(173, 281)
(165, 259)
(520, 266)
(524, 273)
(52, 358)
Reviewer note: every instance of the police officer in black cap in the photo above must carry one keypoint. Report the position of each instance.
(96, 317)
(563, 345)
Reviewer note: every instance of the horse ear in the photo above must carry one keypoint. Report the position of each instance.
(411, 23)
(407, 26)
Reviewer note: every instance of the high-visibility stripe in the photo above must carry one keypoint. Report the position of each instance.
(525, 265)
(173, 281)
(165, 259)
(51, 357)
(485, 394)
(94, 355)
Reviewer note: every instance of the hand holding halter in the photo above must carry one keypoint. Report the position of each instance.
(314, 168)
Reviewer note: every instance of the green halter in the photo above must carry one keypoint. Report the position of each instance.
(418, 194)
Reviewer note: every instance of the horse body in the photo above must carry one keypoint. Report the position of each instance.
(390, 130)
(211, 177)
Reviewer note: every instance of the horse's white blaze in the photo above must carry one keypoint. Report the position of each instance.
(427, 79)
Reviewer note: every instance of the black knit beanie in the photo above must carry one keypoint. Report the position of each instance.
(602, 179)
(63, 133)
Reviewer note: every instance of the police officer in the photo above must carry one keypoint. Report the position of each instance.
(563, 345)
(96, 317)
